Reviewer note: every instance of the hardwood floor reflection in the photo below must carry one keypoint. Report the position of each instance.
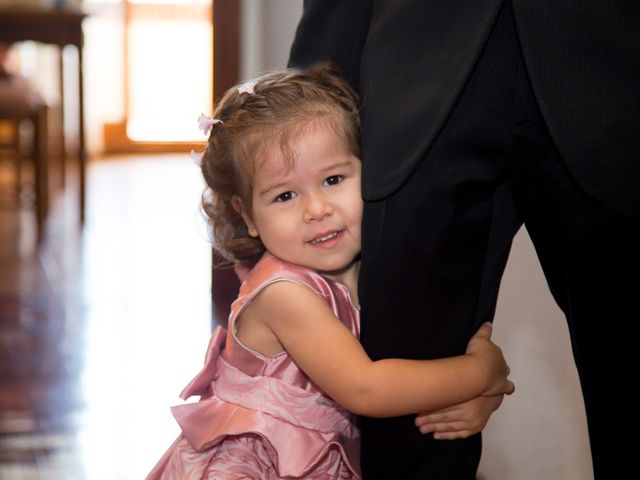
(100, 328)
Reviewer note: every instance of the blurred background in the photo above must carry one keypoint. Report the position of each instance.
(107, 294)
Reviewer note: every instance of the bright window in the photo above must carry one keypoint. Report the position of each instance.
(169, 68)
(167, 56)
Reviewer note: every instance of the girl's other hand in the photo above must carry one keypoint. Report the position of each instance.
(459, 421)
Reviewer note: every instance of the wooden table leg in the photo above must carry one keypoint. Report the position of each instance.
(63, 147)
(82, 154)
(41, 174)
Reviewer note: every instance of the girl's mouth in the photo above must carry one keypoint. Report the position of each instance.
(327, 239)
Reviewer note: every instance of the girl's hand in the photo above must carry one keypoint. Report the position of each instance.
(490, 358)
(459, 421)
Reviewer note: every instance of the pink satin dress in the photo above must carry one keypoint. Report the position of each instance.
(262, 417)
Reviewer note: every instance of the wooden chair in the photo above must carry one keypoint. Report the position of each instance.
(20, 104)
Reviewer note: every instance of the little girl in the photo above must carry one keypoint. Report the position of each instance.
(283, 170)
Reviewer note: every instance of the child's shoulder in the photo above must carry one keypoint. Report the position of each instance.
(275, 291)
(271, 269)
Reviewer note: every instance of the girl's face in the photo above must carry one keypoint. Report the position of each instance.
(309, 213)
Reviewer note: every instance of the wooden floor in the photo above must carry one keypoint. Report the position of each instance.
(100, 327)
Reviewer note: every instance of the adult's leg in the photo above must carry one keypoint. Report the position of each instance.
(433, 255)
(591, 262)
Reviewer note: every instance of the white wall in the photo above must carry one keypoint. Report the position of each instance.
(539, 432)
(268, 27)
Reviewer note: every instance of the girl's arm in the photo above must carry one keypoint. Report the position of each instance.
(334, 359)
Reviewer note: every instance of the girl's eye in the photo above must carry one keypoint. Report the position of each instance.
(286, 196)
(332, 180)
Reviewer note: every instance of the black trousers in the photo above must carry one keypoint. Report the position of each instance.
(434, 252)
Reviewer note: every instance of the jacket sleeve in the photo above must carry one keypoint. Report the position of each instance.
(332, 30)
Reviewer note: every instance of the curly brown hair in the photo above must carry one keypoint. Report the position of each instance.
(252, 125)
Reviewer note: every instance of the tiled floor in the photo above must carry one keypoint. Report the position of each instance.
(100, 328)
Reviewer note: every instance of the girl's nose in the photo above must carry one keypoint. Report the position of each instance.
(316, 208)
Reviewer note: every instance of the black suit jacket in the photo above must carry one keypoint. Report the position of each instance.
(409, 60)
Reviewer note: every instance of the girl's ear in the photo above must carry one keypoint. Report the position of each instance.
(239, 207)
